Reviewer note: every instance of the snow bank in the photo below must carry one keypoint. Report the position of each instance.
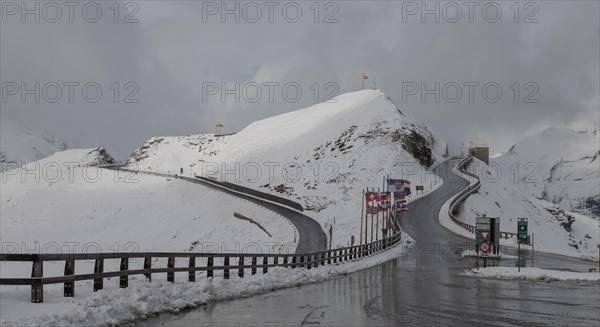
(142, 299)
(532, 274)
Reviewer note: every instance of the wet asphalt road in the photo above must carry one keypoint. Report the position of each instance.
(420, 288)
(311, 237)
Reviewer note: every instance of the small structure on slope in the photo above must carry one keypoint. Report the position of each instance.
(480, 150)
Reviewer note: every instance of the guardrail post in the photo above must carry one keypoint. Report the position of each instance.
(253, 265)
(285, 261)
(148, 265)
(209, 265)
(37, 288)
(301, 261)
(275, 260)
(192, 273)
(170, 274)
(265, 263)
(309, 261)
(226, 267)
(124, 280)
(241, 269)
(316, 259)
(98, 269)
(293, 262)
(328, 257)
(69, 288)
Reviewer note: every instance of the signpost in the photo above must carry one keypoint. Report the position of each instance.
(482, 233)
(521, 238)
(522, 230)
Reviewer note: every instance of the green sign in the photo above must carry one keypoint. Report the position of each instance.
(522, 229)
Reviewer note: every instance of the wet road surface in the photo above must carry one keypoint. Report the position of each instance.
(420, 288)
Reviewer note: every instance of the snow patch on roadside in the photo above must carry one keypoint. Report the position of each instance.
(532, 274)
(142, 299)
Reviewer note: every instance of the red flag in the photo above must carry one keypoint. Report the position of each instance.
(365, 77)
(372, 196)
(372, 210)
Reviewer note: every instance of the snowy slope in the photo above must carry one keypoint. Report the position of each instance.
(555, 230)
(321, 156)
(560, 164)
(19, 144)
(64, 198)
(67, 204)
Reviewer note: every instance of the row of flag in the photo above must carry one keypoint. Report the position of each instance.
(398, 189)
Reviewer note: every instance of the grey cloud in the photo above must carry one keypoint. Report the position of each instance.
(170, 53)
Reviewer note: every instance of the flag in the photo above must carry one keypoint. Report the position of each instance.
(372, 196)
(400, 194)
(384, 204)
(394, 184)
(400, 202)
(384, 196)
(372, 210)
(365, 77)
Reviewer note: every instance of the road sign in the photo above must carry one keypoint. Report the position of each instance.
(484, 234)
(522, 229)
(484, 247)
(482, 224)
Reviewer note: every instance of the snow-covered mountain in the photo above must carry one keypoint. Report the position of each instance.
(19, 144)
(322, 156)
(556, 230)
(560, 164)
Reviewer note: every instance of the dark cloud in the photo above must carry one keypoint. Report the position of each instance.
(171, 52)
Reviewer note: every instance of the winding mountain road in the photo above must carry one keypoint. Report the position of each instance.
(311, 236)
(421, 288)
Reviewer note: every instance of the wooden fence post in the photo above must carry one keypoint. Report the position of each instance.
(124, 280)
(265, 263)
(98, 269)
(253, 265)
(209, 264)
(170, 274)
(69, 288)
(285, 261)
(37, 288)
(148, 265)
(226, 269)
(192, 273)
(241, 269)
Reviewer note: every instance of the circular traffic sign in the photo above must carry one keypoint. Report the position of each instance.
(484, 247)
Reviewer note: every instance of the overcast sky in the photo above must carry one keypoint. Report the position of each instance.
(173, 53)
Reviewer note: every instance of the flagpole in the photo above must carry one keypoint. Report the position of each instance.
(367, 222)
(377, 222)
(372, 222)
(362, 210)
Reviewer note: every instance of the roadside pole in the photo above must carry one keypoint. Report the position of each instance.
(532, 243)
(362, 210)
(519, 258)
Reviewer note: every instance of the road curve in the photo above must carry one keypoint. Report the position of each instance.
(311, 239)
(311, 236)
(421, 288)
